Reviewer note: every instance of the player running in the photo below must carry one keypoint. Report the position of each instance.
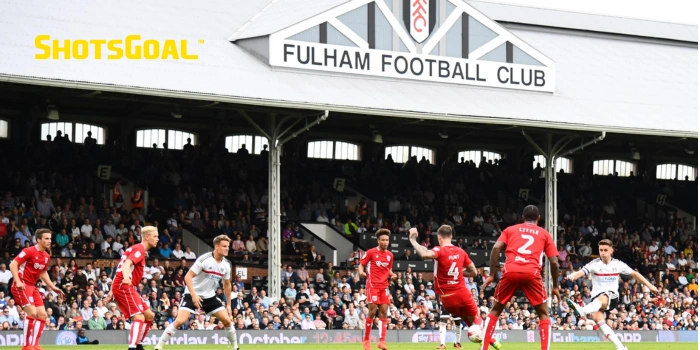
(605, 273)
(204, 277)
(30, 265)
(451, 263)
(129, 273)
(379, 262)
(524, 243)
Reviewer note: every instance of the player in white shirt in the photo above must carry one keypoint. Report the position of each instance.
(202, 280)
(605, 273)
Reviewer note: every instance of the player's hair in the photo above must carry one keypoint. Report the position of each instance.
(220, 238)
(382, 232)
(531, 213)
(40, 232)
(445, 231)
(147, 229)
(606, 242)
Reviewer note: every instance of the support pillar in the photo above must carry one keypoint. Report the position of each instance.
(551, 153)
(274, 263)
(276, 141)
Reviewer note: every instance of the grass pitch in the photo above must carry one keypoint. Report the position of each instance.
(392, 346)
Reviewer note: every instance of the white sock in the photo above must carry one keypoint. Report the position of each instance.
(458, 329)
(231, 335)
(610, 334)
(25, 330)
(591, 308)
(169, 331)
(443, 333)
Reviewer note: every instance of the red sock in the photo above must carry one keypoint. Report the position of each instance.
(28, 329)
(368, 328)
(490, 327)
(385, 324)
(135, 333)
(40, 331)
(146, 328)
(545, 327)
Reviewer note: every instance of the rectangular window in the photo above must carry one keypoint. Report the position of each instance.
(398, 153)
(4, 129)
(81, 131)
(147, 138)
(421, 152)
(690, 172)
(320, 149)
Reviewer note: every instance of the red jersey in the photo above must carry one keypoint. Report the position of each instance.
(137, 255)
(525, 244)
(379, 264)
(32, 262)
(450, 261)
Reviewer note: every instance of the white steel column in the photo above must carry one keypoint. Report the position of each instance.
(274, 257)
(274, 232)
(550, 175)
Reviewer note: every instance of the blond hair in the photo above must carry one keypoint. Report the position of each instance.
(220, 238)
(147, 229)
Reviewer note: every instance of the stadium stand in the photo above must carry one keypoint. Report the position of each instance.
(209, 191)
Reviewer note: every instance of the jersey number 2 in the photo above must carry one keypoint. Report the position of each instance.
(530, 241)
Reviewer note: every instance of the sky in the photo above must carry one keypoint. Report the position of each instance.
(676, 11)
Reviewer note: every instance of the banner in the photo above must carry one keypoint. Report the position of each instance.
(14, 338)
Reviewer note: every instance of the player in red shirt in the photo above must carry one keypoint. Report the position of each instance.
(129, 273)
(451, 264)
(524, 243)
(379, 263)
(27, 268)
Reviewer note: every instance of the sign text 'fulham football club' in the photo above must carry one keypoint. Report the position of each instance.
(490, 64)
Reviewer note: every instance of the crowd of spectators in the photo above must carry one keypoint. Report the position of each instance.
(212, 191)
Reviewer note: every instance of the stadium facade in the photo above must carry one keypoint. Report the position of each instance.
(437, 60)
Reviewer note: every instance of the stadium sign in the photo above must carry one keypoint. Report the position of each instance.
(421, 49)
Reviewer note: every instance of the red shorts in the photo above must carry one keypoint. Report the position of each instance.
(29, 296)
(377, 296)
(128, 300)
(460, 304)
(530, 284)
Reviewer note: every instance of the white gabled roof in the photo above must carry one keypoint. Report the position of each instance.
(603, 83)
(588, 22)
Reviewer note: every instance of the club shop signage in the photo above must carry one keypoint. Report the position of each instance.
(420, 33)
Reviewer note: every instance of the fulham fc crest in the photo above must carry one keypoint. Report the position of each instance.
(419, 16)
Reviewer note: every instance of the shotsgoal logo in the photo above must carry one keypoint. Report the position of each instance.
(132, 47)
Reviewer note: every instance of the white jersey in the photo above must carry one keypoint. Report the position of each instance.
(605, 276)
(208, 275)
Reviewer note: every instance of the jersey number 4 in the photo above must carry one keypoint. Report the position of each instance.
(530, 241)
(454, 272)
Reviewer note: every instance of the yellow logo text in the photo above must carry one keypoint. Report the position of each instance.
(131, 47)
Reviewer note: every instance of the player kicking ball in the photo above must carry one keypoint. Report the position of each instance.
(377, 266)
(30, 265)
(524, 245)
(204, 277)
(451, 263)
(129, 272)
(605, 273)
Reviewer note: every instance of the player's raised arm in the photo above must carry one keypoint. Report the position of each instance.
(576, 275)
(638, 276)
(422, 251)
